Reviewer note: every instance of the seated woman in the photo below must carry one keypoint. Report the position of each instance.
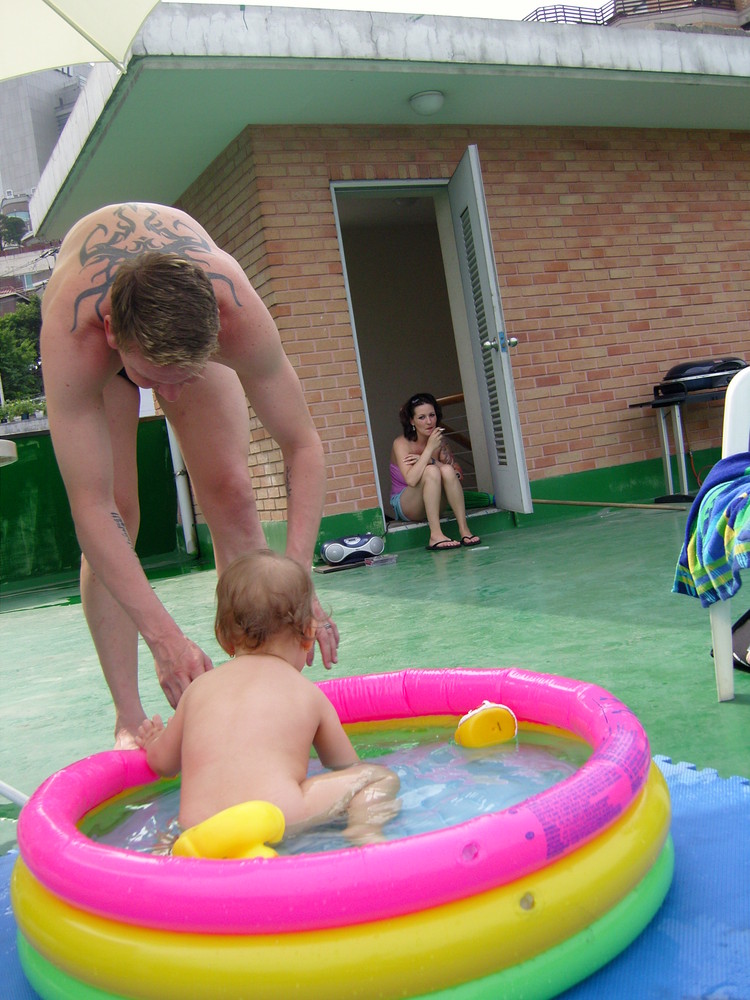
(425, 478)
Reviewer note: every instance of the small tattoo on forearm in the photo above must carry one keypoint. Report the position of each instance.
(121, 525)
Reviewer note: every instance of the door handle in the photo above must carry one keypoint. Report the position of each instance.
(494, 343)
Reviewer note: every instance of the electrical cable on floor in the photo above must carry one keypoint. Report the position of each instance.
(689, 453)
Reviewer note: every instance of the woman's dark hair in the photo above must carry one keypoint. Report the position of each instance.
(407, 412)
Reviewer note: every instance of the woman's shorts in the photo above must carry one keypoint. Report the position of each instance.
(396, 504)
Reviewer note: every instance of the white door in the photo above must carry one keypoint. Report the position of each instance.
(488, 340)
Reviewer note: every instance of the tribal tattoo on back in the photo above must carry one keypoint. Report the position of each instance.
(104, 250)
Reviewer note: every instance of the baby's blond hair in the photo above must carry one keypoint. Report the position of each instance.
(259, 596)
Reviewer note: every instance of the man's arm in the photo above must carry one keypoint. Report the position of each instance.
(250, 344)
(75, 375)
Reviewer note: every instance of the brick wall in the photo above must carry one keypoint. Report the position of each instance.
(619, 254)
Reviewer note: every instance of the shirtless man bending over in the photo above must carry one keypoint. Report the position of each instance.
(142, 296)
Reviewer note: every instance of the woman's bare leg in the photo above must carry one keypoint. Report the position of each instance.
(424, 501)
(454, 494)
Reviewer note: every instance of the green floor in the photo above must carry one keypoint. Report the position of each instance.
(588, 598)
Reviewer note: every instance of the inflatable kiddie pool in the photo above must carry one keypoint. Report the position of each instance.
(523, 902)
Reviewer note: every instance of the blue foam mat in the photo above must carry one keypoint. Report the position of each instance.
(696, 948)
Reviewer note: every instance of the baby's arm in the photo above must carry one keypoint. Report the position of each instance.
(161, 743)
(333, 746)
(149, 731)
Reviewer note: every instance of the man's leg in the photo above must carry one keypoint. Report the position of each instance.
(210, 419)
(114, 634)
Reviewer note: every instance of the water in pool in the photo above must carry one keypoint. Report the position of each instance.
(442, 784)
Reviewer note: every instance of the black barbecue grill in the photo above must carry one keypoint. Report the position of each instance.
(697, 376)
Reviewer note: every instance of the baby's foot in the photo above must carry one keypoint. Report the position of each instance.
(360, 834)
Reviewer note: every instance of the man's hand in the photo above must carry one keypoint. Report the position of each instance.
(327, 637)
(178, 665)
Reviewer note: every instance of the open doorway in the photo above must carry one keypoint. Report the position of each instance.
(399, 298)
(427, 316)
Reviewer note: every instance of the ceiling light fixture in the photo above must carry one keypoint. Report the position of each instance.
(427, 102)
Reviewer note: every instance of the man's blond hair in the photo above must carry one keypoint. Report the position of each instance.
(165, 306)
(259, 596)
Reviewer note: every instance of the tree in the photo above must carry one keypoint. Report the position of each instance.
(20, 362)
(12, 230)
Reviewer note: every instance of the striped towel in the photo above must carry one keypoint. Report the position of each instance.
(717, 537)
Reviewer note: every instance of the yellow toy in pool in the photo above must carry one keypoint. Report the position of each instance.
(487, 725)
(240, 831)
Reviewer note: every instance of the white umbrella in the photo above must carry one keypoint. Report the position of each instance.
(44, 34)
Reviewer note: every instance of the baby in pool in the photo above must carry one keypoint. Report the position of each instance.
(244, 731)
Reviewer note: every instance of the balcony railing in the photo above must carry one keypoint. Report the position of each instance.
(614, 10)
(456, 427)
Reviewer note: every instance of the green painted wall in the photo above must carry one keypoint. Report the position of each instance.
(38, 546)
(37, 537)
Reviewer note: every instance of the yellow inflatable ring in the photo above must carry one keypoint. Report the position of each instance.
(541, 977)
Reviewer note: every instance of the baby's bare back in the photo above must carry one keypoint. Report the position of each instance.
(248, 730)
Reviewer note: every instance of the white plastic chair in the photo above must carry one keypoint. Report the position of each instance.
(735, 438)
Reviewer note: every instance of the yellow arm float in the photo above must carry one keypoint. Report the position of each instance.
(240, 831)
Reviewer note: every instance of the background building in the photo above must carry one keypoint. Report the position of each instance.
(33, 113)
(710, 15)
